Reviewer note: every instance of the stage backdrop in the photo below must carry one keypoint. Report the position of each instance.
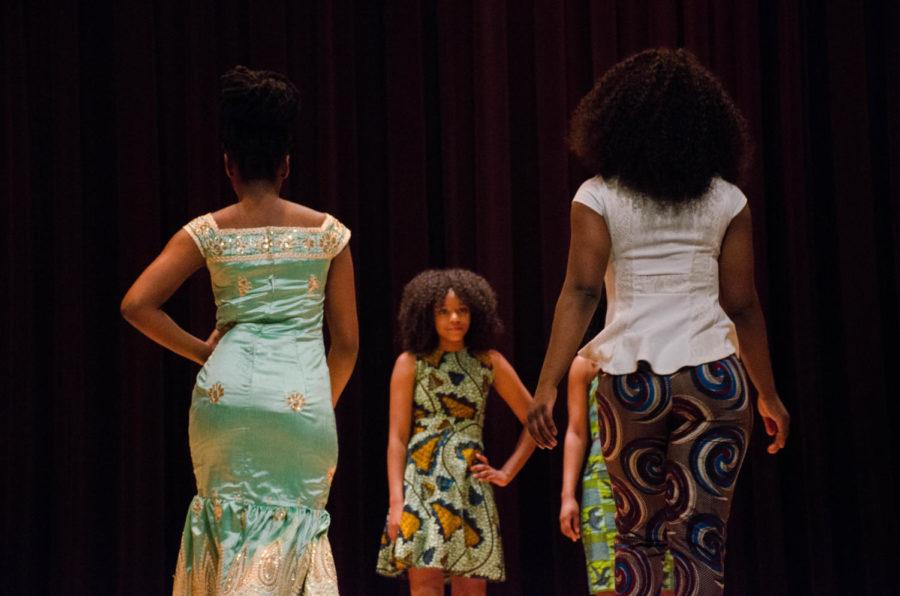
(436, 132)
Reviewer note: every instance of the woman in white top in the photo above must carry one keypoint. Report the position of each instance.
(663, 225)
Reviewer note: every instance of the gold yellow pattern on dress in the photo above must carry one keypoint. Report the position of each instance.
(434, 381)
(215, 393)
(469, 455)
(296, 401)
(423, 454)
(457, 406)
(244, 286)
(472, 536)
(409, 524)
(450, 521)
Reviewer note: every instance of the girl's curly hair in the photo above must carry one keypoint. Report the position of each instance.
(258, 109)
(427, 290)
(662, 125)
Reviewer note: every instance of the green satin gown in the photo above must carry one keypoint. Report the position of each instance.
(262, 429)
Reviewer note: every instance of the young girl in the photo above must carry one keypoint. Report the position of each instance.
(262, 429)
(663, 222)
(597, 529)
(442, 523)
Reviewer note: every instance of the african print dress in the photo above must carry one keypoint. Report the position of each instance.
(449, 519)
(598, 513)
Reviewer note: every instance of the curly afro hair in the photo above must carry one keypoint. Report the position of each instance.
(258, 109)
(427, 290)
(662, 125)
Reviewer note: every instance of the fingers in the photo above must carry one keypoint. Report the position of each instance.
(542, 429)
(393, 530)
(569, 526)
(781, 428)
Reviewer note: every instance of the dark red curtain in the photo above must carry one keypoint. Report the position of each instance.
(435, 130)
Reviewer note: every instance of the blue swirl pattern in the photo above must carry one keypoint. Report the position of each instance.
(716, 458)
(643, 393)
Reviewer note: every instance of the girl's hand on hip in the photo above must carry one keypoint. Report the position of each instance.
(776, 419)
(570, 519)
(485, 473)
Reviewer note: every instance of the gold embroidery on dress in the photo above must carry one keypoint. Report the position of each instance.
(217, 508)
(244, 285)
(264, 244)
(239, 245)
(215, 392)
(312, 284)
(296, 401)
(197, 506)
(308, 243)
(321, 579)
(235, 571)
(280, 514)
(269, 572)
(329, 242)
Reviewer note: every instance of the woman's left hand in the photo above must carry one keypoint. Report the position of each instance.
(485, 473)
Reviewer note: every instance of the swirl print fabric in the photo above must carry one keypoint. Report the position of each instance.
(598, 511)
(673, 446)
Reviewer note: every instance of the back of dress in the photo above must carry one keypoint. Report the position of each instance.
(262, 428)
(662, 279)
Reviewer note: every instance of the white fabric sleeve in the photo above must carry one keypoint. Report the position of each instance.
(591, 194)
(737, 201)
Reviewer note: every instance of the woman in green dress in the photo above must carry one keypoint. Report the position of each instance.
(442, 524)
(262, 427)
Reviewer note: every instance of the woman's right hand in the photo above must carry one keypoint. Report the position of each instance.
(393, 524)
(776, 419)
(540, 418)
(570, 519)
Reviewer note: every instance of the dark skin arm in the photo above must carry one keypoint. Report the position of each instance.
(739, 299)
(589, 249)
(142, 304)
(343, 327)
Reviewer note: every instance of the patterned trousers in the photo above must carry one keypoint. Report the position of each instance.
(674, 445)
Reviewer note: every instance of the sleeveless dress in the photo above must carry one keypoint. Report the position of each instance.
(449, 519)
(262, 429)
(598, 513)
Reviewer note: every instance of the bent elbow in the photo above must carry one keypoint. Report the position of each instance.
(740, 309)
(128, 309)
(348, 345)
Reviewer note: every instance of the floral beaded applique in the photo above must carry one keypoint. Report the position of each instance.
(244, 286)
(247, 244)
(312, 284)
(296, 401)
(215, 393)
